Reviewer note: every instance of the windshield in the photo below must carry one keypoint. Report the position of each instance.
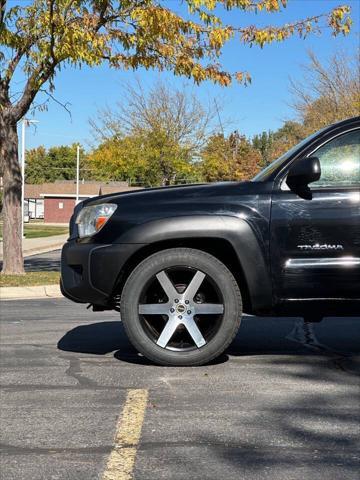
(267, 171)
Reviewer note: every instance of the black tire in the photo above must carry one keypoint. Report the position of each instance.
(206, 333)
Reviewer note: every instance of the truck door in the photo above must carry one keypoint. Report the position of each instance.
(315, 244)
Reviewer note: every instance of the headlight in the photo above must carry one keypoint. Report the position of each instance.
(91, 219)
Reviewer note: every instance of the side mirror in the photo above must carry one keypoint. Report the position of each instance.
(305, 171)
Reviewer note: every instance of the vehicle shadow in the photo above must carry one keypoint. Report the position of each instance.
(106, 337)
(256, 336)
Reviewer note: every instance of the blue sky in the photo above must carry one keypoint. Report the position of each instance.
(261, 106)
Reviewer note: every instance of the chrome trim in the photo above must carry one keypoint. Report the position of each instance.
(322, 262)
(327, 299)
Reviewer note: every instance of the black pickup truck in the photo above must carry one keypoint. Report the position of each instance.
(184, 263)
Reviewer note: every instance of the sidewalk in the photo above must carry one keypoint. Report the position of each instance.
(48, 224)
(33, 246)
(23, 293)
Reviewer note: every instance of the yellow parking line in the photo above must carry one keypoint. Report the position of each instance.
(121, 461)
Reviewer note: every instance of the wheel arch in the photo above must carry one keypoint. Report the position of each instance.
(229, 239)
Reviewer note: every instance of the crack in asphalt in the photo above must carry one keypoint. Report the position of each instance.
(304, 333)
(74, 371)
(145, 446)
(19, 450)
(29, 387)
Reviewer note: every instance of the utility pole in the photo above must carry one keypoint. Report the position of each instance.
(23, 129)
(25, 123)
(77, 173)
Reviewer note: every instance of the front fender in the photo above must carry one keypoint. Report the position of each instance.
(250, 248)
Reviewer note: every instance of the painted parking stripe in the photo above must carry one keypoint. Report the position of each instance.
(121, 461)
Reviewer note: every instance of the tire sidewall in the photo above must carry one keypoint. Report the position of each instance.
(200, 261)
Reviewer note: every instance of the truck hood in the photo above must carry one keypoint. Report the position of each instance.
(179, 192)
(240, 199)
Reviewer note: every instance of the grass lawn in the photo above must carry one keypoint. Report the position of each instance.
(37, 231)
(30, 279)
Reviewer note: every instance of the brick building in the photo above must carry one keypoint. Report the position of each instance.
(56, 201)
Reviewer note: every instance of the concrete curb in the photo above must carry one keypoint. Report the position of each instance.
(23, 293)
(37, 251)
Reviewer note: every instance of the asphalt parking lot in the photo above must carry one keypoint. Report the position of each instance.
(282, 403)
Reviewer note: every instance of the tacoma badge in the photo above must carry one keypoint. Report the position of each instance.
(321, 246)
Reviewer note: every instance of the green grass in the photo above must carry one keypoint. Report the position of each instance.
(30, 279)
(37, 231)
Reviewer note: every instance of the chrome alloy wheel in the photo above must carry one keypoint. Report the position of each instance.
(181, 308)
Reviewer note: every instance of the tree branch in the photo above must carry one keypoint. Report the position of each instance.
(51, 28)
(52, 97)
(40, 76)
(2, 12)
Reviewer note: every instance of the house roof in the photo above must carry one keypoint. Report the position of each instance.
(67, 189)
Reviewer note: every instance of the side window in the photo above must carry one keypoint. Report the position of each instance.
(340, 161)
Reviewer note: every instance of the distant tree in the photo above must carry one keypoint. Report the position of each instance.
(145, 160)
(287, 137)
(246, 159)
(263, 142)
(273, 144)
(168, 161)
(229, 158)
(40, 37)
(36, 165)
(216, 159)
(328, 92)
(118, 159)
(56, 163)
(165, 129)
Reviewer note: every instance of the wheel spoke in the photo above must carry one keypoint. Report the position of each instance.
(167, 285)
(209, 308)
(180, 309)
(194, 285)
(168, 332)
(194, 332)
(154, 309)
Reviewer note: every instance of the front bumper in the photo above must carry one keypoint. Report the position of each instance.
(89, 272)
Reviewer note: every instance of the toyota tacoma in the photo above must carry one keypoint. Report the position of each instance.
(182, 264)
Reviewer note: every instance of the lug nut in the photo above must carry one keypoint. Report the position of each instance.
(180, 317)
(176, 300)
(172, 310)
(189, 312)
(187, 302)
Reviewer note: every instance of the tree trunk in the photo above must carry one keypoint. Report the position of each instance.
(13, 262)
